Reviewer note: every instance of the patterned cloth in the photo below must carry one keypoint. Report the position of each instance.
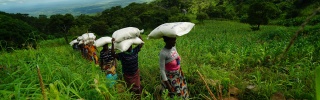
(92, 54)
(178, 82)
(106, 57)
(107, 61)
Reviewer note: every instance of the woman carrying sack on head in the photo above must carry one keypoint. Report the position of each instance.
(92, 53)
(172, 77)
(108, 64)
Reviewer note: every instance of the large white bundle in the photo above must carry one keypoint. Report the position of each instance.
(81, 42)
(88, 41)
(73, 42)
(85, 36)
(125, 44)
(91, 36)
(88, 36)
(174, 29)
(126, 33)
(80, 38)
(102, 41)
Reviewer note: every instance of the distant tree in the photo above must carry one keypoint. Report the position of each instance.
(216, 11)
(179, 18)
(154, 17)
(84, 20)
(42, 23)
(99, 28)
(61, 24)
(16, 33)
(78, 30)
(259, 14)
(202, 16)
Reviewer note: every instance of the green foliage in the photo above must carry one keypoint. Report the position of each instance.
(225, 52)
(297, 21)
(278, 34)
(16, 33)
(78, 30)
(318, 83)
(179, 18)
(202, 16)
(259, 13)
(99, 27)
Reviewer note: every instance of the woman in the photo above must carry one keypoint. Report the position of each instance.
(108, 64)
(130, 68)
(92, 55)
(171, 73)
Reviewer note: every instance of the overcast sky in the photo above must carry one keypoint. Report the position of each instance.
(35, 7)
(7, 4)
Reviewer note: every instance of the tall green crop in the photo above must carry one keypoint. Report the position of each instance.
(318, 83)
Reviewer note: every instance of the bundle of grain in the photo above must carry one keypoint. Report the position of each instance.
(174, 29)
(102, 41)
(126, 33)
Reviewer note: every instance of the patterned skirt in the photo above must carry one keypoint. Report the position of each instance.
(178, 82)
(109, 67)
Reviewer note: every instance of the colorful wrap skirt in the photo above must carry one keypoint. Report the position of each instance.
(109, 67)
(178, 82)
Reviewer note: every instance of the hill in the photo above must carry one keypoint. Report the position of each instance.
(74, 7)
(226, 53)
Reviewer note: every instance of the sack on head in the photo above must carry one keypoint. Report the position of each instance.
(125, 44)
(73, 42)
(88, 41)
(174, 29)
(126, 33)
(88, 36)
(102, 41)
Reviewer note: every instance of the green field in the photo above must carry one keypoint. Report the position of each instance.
(226, 53)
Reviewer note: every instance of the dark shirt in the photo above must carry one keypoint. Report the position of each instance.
(129, 61)
(106, 57)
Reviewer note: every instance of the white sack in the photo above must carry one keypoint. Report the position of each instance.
(73, 42)
(102, 41)
(174, 29)
(126, 33)
(91, 36)
(79, 38)
(81, 42)
(125, 44)
(85, 36)
(88, 41)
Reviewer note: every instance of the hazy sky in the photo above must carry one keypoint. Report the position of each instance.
(35, 7)
(9, 4)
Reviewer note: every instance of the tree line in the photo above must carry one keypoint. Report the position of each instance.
(21, 30)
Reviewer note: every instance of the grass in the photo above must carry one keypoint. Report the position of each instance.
(225, 52)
